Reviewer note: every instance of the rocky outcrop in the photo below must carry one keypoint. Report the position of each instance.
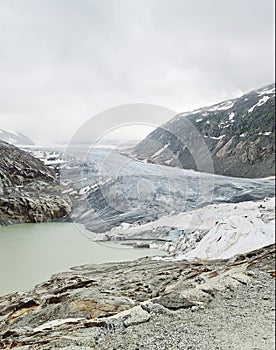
(237, 136)
(28, 189)
(95, 306)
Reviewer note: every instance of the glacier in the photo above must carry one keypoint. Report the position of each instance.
(109, 189)
(197, 215)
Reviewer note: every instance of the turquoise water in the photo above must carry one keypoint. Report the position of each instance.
(31, 253)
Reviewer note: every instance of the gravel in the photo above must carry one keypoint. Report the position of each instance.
(243, 319)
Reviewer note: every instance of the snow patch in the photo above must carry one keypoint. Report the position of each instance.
(266, 92)
(56, 323)
(157, 153)
(233, 235)
(260, 103)
(231, 116)
(217, 138)
(53, 162)
(222, 106)
(84, 190)
(227, 229)
(267, 133)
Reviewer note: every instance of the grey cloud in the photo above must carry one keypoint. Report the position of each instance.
(62, 61)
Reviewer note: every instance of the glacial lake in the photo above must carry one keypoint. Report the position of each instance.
(31, 253)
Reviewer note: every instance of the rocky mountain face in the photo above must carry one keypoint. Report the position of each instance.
(233, 138)
(28, 189)
(15, 138)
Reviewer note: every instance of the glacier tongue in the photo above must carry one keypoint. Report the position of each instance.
(213, 232)
(239, 229)
(117, 197)
(109, 189)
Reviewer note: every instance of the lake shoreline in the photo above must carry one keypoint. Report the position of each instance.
(43, 249)
(149, 304)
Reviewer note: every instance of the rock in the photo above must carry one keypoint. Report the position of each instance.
(174, 301)
(135, 316)
(154, 308)
(29, 191)
(102, 307)
(118, 296)
(141, 245)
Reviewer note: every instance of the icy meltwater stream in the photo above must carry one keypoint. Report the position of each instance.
(31, 253)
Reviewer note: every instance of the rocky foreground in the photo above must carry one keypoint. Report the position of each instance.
(148, 304)
(29, 191)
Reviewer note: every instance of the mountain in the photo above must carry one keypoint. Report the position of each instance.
(233, 138)
(15, 138)
(29, 191)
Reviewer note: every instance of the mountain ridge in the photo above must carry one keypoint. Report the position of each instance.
(237, 135)
(29, 191)
(15, 138)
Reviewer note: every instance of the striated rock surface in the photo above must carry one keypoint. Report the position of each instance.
(147, 304)
(238, 134)
(28, 189)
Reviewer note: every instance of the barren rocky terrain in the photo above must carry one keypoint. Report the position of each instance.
(29, 191)
(148, 304)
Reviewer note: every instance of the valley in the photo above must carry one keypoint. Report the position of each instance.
(147, 237)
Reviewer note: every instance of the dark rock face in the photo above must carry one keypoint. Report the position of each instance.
(239, 135)
(15, 138)
(28, 189)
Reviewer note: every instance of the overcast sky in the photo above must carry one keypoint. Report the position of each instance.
(62, 61)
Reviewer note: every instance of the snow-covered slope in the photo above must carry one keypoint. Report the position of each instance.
(237, 135)
(232, 236)
(213, 232)
(247, 226)
(15, 138)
